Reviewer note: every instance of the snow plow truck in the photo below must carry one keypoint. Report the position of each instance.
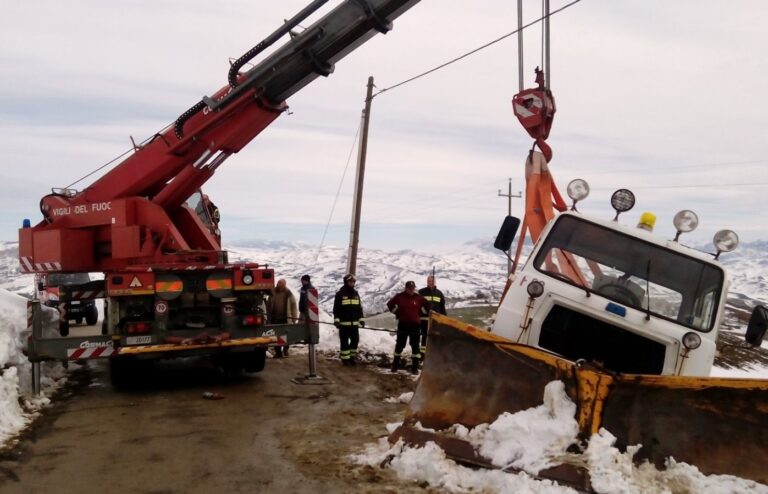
(626, 319)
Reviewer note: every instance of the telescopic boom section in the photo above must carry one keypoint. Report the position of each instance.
(140, 203)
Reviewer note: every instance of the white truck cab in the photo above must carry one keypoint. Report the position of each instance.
(616, 296)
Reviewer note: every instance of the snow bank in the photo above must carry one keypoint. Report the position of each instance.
(613, 472)
(535, 439)
(372, 343)
(528, 440)
(429, 464)
(17, 405)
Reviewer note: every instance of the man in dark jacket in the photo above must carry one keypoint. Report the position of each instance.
(306, 285)
(436, 302)
(347, 315)
(408, 307)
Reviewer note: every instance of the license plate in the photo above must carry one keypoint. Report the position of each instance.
(138, 340)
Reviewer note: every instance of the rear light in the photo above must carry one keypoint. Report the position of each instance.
(253, 320)
(137, 328)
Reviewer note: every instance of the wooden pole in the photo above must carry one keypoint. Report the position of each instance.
(354, 233)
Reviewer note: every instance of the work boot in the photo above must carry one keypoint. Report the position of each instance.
(414, 366)
(395, 364)
(278, 352)
(346, 362)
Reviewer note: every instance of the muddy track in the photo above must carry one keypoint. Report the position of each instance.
(266, 433)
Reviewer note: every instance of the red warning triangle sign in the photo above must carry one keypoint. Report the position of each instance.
(135, 283)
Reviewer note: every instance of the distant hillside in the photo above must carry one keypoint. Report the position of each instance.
(473, 273)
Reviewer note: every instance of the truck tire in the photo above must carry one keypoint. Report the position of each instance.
(122, 372)
(254, 361)
(91, 315)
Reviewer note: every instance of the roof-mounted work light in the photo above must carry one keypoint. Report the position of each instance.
(685, 221)
(622, 201)
(578, 190)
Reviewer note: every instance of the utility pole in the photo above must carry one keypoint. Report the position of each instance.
(354, 233)
(509, 197)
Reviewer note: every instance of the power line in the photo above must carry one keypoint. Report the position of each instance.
(697, 186)
(338, 191)
(435, 69)
(683, 167)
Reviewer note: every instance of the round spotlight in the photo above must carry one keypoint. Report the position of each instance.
(535, 289)
(726, 240)
(247, 278)
(577, 189)
(685, 221)
(691, 341)
(622, 200)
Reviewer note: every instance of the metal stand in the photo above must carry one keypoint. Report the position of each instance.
(36, 389)
(312, 377)
(313, 325)
(33, 320)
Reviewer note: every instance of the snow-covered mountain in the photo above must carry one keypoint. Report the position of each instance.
(472, 273)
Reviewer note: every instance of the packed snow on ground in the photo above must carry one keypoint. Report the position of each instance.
(537, 438)
(403, 398)
(17, 403)
(747, 372)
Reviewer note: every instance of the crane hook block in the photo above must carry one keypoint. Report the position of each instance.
(535, 108)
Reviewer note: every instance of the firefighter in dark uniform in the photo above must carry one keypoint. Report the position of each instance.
(347, 316)
(436, 301)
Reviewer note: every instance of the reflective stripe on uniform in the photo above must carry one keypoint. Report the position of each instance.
(432, 298)
(349, 323)
(350, 301)
(345, 354)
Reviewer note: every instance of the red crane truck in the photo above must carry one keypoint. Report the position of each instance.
(168, 286)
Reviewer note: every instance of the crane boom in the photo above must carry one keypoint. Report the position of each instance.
(140, 204)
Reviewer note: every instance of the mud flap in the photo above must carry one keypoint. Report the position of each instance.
(471, 376)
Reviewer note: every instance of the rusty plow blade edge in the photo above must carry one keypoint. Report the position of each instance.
(471, 376)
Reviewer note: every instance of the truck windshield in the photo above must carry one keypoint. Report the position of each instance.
(196, 202)
(629, 271)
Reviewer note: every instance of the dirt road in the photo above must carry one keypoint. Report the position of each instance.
(266, 434)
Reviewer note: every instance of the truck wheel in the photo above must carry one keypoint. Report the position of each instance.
(64, 327)
(91, 315)
(232, 367)
(254, 361)
(122, 372)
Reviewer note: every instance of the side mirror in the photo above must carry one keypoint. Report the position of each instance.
(507, 233)
(758, 323)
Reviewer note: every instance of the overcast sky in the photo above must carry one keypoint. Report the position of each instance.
(667, 98)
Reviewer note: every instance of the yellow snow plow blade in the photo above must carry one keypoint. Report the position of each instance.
(471, 376)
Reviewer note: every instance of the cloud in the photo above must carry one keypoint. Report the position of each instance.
(652, 95)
